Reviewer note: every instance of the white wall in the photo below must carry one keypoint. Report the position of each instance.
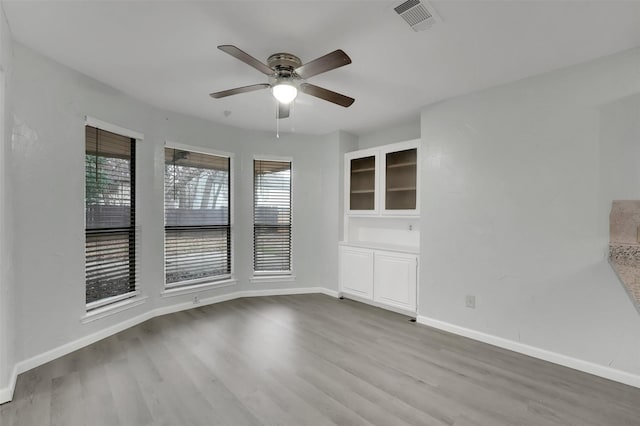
(7, 330)
(619, 152)
(406, 131)
(50, 102)
(517, 186)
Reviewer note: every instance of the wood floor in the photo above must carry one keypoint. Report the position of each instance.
(307, 360)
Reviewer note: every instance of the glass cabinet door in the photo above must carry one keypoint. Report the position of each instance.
(401, 179)
(363, 183)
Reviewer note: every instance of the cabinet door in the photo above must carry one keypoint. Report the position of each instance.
(356, 272)
(395, 279)
(362, 182)
(400, 174)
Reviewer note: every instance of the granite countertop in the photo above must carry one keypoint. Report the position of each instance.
(625, 261)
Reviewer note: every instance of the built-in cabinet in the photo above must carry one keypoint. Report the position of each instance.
(388, 278)
(383, 180)
(380, 252)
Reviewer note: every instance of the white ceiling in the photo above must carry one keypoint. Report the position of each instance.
(164, 53)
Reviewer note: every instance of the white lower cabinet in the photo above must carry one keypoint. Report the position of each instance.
(356, 271)
(394, 279)
(384, 277)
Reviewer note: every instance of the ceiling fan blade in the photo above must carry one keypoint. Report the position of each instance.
(246, 58)
(328, 62)
(237, 90)
(283, 110)
(326, 94)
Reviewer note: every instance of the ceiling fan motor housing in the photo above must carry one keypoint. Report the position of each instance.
(284, 64)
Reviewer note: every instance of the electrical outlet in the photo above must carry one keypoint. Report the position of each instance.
(196, 299)
(470, 301)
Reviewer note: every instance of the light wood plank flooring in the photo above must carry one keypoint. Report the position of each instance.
(307, 360)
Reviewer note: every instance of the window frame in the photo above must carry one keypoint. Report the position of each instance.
(135, 297)
(206, 282)
(270, 276)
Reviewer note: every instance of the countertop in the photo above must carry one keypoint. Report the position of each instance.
(381, 246)
(625, 261)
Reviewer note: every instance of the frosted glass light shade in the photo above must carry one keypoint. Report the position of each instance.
(284, 92)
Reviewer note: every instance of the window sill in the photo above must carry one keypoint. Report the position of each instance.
(282, 278)
(195, 288)
(112, 309)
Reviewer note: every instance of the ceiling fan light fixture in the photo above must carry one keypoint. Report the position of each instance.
(288, 75)
(284, 92)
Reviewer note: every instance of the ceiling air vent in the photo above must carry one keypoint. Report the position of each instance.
(418, 14)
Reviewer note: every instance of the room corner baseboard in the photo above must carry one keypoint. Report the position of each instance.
(331, 293)
(6, 394)
(328, 292)
(535, 352)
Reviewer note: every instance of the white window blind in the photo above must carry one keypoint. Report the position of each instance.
(197, 217)
(110, 252)
(271, 216)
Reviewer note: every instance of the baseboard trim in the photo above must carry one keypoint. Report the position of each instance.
(6, 394)
(371, 302)
(329, 292)
(289, 291)
(80, 343)
(239, 294)
(535, 352)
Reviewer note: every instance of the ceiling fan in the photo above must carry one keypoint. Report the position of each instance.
(287, 75)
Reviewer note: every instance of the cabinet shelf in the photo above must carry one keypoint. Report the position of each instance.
(407, 164)
(405, 188)
(369, 169)
(363, 191)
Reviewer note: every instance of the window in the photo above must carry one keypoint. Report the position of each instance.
(197, 242)
(271, 217)
(110, 251)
